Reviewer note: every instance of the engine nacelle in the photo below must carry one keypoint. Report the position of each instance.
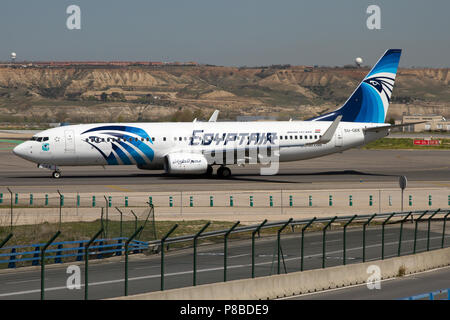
(185, 163)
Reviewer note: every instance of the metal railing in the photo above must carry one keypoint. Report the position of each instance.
(124, 245)
(442, 294)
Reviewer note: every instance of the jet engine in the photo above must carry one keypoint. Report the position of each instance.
(185, 163)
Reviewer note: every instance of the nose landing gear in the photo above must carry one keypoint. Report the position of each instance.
(56, 174)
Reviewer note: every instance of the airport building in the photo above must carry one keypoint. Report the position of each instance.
(434, 123)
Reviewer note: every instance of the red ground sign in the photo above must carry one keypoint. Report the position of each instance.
(427, 142)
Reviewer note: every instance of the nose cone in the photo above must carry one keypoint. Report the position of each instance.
(23, 150)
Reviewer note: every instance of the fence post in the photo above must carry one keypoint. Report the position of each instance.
(324, 240)
(61, 203)
(9, 236)
(429, 200)
(310, 200)
(31, 199)
(11, 208)
(443, 232)
(364, 235)
(121, 221)
(382, 234)
(401, 232)
(279, 243)
(195, 251)
(330, 200)
(370, 200)
(429, 226)
(135, 220)
(126, 257)
(253, 245)
(231, 201)
(170, 201)
(344, 240)
(93, 201)
(86, 263)
(163, 239)
(350, 200)
(43, 262)
(271, 201)
(107, 202)
(410, 200)
(126, 201)
(415, 229)
(211, 201)
(225, 250)
(291, 202)
(1, 197)
(251, 201)
(303, 240)
(46, 199)
(191, 201)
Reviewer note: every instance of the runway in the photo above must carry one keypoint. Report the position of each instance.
(106, 279)
(351, 169)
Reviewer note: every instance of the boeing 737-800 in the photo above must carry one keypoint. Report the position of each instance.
(195, 147)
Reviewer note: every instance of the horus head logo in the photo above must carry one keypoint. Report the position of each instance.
(383, 85)
(45, 147)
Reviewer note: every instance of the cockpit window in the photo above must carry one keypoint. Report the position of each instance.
(39, 139)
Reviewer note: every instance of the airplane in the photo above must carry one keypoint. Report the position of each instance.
(196, 147)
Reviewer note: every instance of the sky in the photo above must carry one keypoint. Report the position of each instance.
(227, 32)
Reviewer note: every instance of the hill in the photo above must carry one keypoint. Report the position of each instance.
(139, 93)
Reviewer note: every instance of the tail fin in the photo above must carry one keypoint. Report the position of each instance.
(370, 101)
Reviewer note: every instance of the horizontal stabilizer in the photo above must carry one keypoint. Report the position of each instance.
(380, 128)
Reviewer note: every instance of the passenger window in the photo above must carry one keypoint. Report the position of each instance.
(315, 137)
(164, 138)
(290, 137)
(296, 137)
(281, 137)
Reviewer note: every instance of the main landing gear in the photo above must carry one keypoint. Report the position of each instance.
(223, 172)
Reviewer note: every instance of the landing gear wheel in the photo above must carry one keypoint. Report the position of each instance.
(56, 174)
(223, 172)
(209, 171)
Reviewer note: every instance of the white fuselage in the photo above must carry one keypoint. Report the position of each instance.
(147, 144)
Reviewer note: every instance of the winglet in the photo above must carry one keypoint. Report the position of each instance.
(328, 135)
(214, 116)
